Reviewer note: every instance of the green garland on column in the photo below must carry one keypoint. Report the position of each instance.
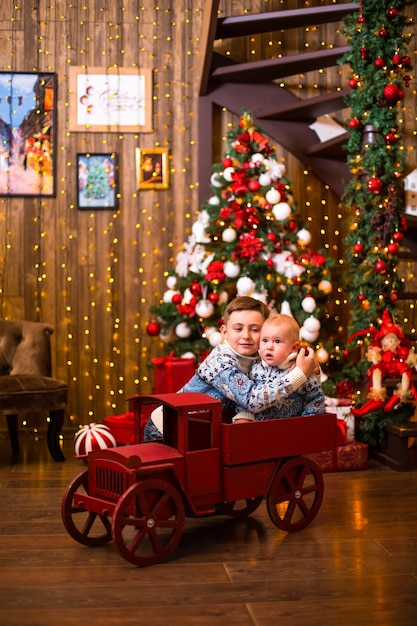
(380, 72)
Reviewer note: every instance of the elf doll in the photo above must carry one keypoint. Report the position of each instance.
(391, 357)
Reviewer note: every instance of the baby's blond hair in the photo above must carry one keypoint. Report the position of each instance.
(286, 321)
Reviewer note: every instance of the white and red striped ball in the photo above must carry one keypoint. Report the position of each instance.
(93, 437)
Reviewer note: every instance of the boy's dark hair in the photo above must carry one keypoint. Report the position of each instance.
(245, 303)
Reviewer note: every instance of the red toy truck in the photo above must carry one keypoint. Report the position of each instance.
(138, 495)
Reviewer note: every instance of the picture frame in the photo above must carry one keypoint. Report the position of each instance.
(27, 133)
(97, 181)
(110, 99)
(152, 170)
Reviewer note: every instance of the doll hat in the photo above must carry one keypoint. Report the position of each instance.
(388, 326)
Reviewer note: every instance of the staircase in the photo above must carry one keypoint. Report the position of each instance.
(282, 116)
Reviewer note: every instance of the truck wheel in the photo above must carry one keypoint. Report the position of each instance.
(296, 494)
(148, 522)
(240, 508)
(86, 527)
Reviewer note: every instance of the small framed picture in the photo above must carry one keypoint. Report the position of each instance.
(152, 168)
(97, 181)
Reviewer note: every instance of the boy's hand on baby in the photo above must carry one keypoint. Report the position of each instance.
(306, 361)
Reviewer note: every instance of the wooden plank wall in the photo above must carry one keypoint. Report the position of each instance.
(94, 274)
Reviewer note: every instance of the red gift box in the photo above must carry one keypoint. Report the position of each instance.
(171, 373)
(348, 457)
(126, 427)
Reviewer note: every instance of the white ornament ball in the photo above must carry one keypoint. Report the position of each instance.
(214, 201)
(307, 335)
(216, 181)
(209, 330)
(304, 237)
(308, 304)
(188, 355)
(93, 437)
(229, 235)
(281, 211)
(167, 337)
(204, 308)
(228, 174)
(322, 355)
(215, 338)
(182, 330)
(273, 196)
(232, 270)
(245, 286)
(325, 286)
(171, 282)
(264, 179)
(312, 324)
(262, 297)
(257, 158)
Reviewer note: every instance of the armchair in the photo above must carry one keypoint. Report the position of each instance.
(25, 380)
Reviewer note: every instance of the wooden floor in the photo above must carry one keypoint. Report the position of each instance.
(355, 565)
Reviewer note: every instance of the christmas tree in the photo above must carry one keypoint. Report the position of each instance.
(373, 197)
(97, 183)
(379, 72)
(246, 240)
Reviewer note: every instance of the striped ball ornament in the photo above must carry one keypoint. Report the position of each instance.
(93, 437)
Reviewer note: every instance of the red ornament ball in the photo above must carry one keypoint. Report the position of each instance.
(358, 248)
(354, 123)
(397, 236)
(394, 295)
(361, 297)
(393, 12)
(254, 185)
(396, 59)
(153, 329)
(393, 248)
(374, 185)
(227, 162)
(391, 93)
(346, 353)
(383, 32)
(380, 266)
(176, 298)
(272, 237)
(195, 289)
(353, 83)
(389, 139)
(213, 297)
(406, 61)
(379, 63)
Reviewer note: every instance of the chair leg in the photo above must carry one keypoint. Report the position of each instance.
(56, 419)
(12, 426)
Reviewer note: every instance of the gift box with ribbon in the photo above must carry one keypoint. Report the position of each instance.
(348, 457)
(171, 373)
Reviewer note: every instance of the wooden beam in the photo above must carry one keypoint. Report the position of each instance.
(206, 43)
(271, 69)
(308, 109)
(244, 25)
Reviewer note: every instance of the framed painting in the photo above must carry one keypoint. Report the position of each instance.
(27, 129)
(97, 181)
(152, 170)
(110, 100)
